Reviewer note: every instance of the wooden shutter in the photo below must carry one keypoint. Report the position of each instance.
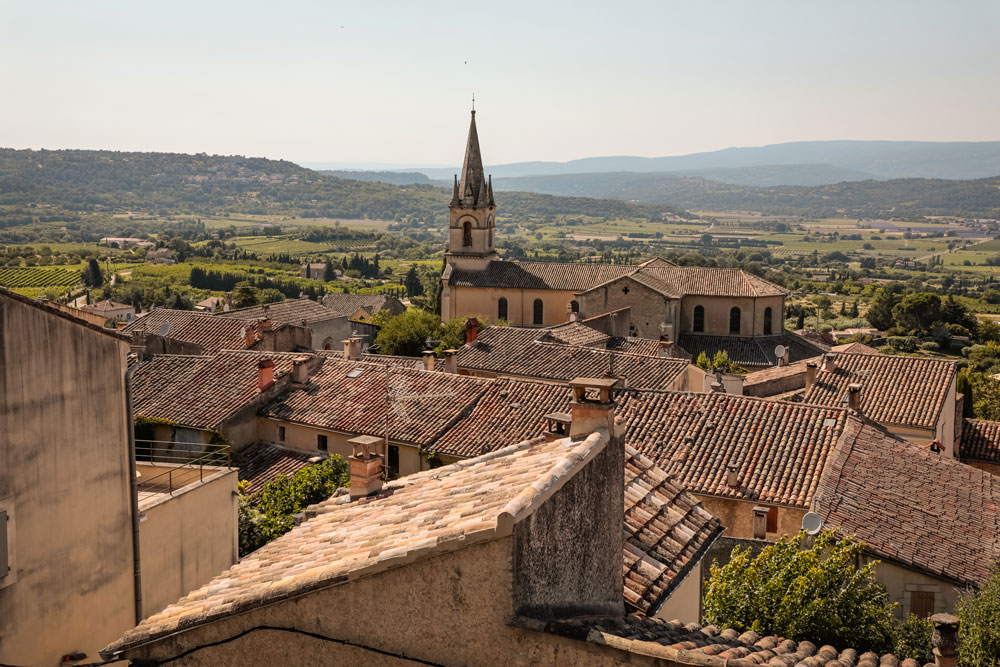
(922, 603)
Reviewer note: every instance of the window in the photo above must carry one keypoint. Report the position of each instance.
(321, 443)
(734, 321)
(922, 603)
(491, 237)
(772, 520)
(281, 434)
(467, 234)
(537, 318)
(393, 462)
(502, 309)
(767, 321)
(575, 306)
(698, 324)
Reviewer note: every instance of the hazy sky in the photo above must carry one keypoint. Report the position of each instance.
(377, 83)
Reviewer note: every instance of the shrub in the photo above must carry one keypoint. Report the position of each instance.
(930, 346)
(979, 632)
(912, 639)
(813, 593)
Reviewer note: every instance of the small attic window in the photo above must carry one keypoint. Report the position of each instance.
(355, 372)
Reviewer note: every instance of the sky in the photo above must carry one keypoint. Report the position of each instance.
(374, 84)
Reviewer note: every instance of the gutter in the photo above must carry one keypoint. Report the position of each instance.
(133, 493)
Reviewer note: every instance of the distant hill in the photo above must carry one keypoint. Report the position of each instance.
(902, 197)
(177, 183)
(868, 159)
(391, 177)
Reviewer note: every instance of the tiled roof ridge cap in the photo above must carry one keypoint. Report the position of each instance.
(41, 305)
(637, 355)
(759, 399)
(530, 498)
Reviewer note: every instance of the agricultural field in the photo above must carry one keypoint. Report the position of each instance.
(35, 281)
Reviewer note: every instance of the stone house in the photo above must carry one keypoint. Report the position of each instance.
(515, 558)
(313, 271)
(362, 307)
(167, 331)
(328, 327)
(111, 310)
(88, 547)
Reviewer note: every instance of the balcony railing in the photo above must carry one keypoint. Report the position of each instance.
(177, 464)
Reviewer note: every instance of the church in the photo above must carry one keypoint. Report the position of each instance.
(701, 308)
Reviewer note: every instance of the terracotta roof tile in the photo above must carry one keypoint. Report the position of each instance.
(749, 351)
(210, 332)
(678, 643)
(911, 505)
(909, 391)
(348, 304)
(201, 391)
(679, 281)
(262, 462)
(540, 275)
(980, 441)
(516, 351)
(666, 532)
(292, 311)
(780, 447)
(349, 396)
(478, 499)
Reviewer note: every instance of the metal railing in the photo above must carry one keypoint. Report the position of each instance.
(185, 461)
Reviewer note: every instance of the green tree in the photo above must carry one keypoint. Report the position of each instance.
(412, 282)
(406, 334)
(328, 273)
(92, 275)
(917, 312)
(800, 323)
(963, 385)
(813, 593)
(912, 639)
(979, 632)
(879, 313)
(245, 296)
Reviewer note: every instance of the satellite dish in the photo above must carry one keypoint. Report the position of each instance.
(812, 523)
(164, 328)
(779, 352)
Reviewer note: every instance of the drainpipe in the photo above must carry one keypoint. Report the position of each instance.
(133, 493)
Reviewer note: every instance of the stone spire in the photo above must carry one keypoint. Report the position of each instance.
(472, 186)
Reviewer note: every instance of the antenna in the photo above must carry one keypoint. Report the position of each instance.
(164, 328)
(779, 351)
(812, 523)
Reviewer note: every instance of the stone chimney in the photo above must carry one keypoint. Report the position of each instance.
(366, 465)
(250, 335)
(300, 370)
(265, 374)
(811, 369)
(732, 475)
(570, 315)
(945, 640)
(666, 347)
(450, 361)
(352, 349)
(557, 425)
(760, 522)
(717, 388)
(829, 362)
(592, 414)
(854, 396)
(264, 325)
(428, 360)
(228, 302)
(471, 331)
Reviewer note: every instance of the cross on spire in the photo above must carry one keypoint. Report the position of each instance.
(473, 103)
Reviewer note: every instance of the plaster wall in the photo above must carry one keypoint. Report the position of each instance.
(684, 603)
(64, 480)
(901, 583)
(303, 438)
(717, 311)
(737, 516)
(188, 538)
(483, 302)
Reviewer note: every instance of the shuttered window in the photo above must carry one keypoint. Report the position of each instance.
(922, 603)
(4, 560)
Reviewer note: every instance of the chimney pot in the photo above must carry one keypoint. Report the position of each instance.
(945, 640)
(829, 362)
(854, 396)
(718, 388)
(228, 305)
(471, 330)
(811, 369)
(265, 374)
(450, 361)
(587, 414)
(300, 370)
(428, 360)
(557, 426)
(366, 465)
(352, 349)
(732, 475)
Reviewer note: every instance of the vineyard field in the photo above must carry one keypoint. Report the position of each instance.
(38, 277)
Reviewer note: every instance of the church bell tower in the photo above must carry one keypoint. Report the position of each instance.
(472, 208)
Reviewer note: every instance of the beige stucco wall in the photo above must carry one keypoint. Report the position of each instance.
(64, 477)
(469, 592)
(187, 538)
(900, 583)
(303, 438)
(717, 314)
(482, 302)
(684, 604)
(917, 436)
(737, 516)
